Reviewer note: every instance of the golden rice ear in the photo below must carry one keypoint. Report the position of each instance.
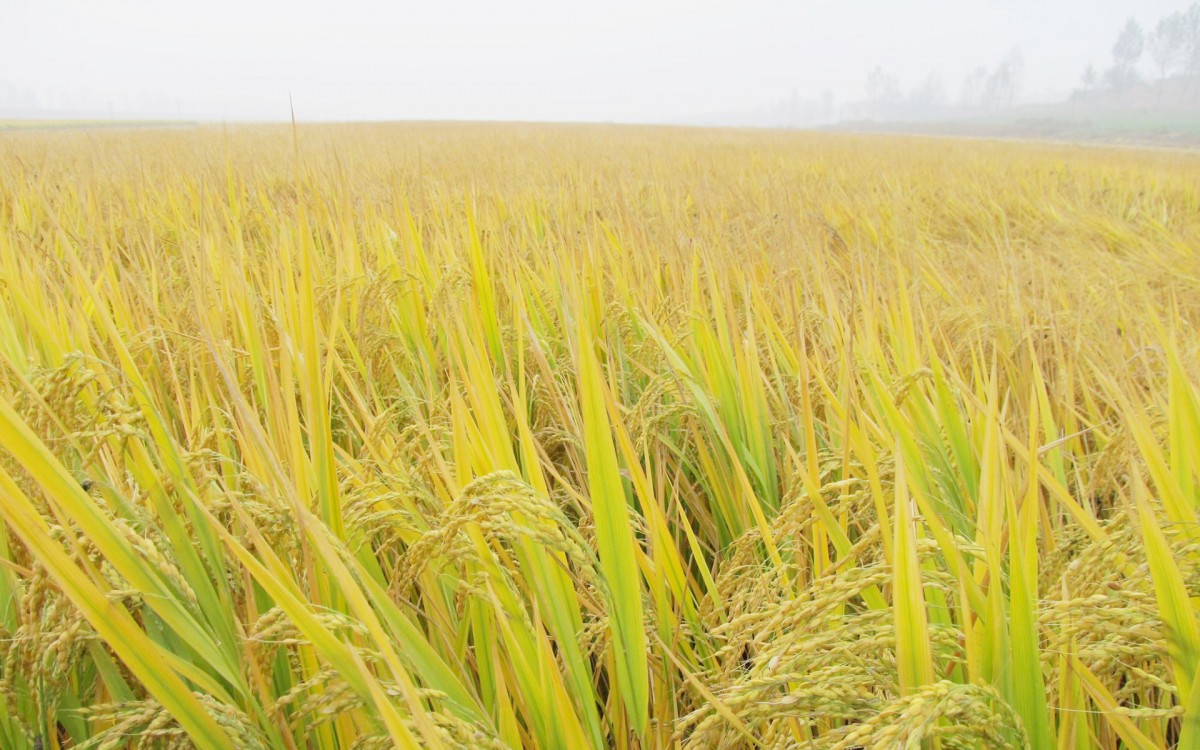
(150, 663)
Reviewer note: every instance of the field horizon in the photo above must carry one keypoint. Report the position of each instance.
(1129, 131)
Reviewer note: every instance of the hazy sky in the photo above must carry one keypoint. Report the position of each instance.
(625, 60)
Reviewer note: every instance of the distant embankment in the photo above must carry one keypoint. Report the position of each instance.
(1144, 115)
(1130, 129)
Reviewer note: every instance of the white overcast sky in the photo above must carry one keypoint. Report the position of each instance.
(622, 60)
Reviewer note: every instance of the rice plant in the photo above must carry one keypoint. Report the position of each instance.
(468, 436)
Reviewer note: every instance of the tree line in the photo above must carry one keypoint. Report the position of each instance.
(1171, 47)
(981, 87)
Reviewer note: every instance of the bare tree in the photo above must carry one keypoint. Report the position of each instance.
(881, 87)
(1192, 55)
(973, 85)
(1168, 46)
(1126, 52)
(998, 84)
(1016, 72)
(1005, 81)
(1089, 77)
(827, 103)
(931, 93)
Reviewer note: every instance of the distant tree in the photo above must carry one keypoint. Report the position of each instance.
(1168, 45)
(1004, 82)
(1126, 52)
(1192, 56)
(882, 87)
(973, 85)
(1089, 77)
(1016, 71)
(931, 92)
(827, 102)
(995, 89)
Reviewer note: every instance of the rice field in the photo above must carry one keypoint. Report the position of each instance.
(511, 436)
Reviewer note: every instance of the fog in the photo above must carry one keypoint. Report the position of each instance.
(622, 60)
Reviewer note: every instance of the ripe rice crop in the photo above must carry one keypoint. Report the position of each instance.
(515, 436)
